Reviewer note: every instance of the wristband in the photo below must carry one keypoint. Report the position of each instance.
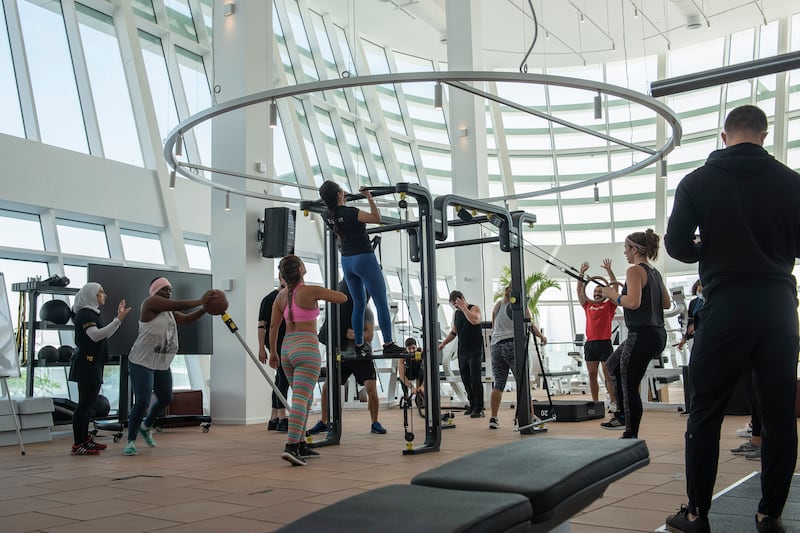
(619, 300)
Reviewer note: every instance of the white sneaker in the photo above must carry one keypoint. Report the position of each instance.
(745, 432)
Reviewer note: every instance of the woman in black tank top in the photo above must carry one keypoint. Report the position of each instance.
(643, 300)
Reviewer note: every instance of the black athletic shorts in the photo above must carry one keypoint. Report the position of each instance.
(362, 369)
(597, 350)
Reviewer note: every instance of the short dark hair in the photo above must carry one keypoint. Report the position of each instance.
(411, 341)
(455, 295)
(746, 118)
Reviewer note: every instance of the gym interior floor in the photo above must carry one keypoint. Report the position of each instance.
(232, 478)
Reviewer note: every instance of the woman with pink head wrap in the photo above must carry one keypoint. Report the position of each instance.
(152, 353)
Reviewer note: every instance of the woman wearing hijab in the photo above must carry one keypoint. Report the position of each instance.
(89, 359)
(152, 353)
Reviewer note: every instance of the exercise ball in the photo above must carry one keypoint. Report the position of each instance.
(65, 353)
(100, 408)
(217, 304)
(48, 354)
(55, 311)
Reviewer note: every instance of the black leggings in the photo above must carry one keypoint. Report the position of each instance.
(87, 395)
(628, 365)
(283, 385)
(469, 365)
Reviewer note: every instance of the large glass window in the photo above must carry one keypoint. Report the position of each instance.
(58, 109)
(9, 98)
(180, 18)
(356, 153)
(198, 255)
(112, 101)
(160, 86)
(332, 148)
(198, 96)
(301, 40)
(20, 230)
(81, 238)
(142, 247)
(328, 60)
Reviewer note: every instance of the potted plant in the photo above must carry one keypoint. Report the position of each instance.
(535, 285)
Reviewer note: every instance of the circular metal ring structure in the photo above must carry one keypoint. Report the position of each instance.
(461, 80)
(603, 282)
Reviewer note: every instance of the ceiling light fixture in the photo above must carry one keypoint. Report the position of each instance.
(582, 19)
(635, 12)
(662, 168)
(273, 114)
(598, 107)
(596, 194)
(437, 95)
(228, 9)
(228, 201)
(179, 146)
(172, 176)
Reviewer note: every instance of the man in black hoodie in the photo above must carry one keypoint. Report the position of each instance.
(747, 208)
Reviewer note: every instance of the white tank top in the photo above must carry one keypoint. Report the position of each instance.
(503, 327)
(157, 343)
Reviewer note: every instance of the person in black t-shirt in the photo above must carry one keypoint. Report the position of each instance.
(88, 360)
(467, 327)
(362, 272)
(278, 420)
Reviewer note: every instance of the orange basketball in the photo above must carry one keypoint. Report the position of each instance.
(217, 304)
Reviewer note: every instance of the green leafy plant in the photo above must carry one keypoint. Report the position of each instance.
(535, 285)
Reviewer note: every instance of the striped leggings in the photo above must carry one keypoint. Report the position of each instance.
(300, 361)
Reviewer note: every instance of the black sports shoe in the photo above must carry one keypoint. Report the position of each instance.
(283, 425)
(770, 525)
(319, 427)
(392, 349)
(680, 523)
(305, 451)
(477, 413)
(272, 425)
(363, 350)
(468, 410)
(614, 423)
(291, 454)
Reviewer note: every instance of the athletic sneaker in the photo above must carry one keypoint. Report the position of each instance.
(393, 349)
(377, 428)
(680, 523)
(83, 449)
(755, 455)
(147, 435)
(272, 425)
(769, 525)
(614, 423)
(612, 407)
(746, 431)
(94, 445)
(363, 350)
(493, 423)
(283, 425)
(306, 452)
(319, 427)
(477, 413)
(130, 448)
(745, 448)
(291, 454)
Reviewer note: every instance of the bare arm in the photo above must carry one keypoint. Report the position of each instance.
(581, 286)
(666, 302)
(496, 308)
(607, 266)
(374, 216)
(274, 324)
(262, 339)
(473, 314)
(158, 304)
(636, 277)
(450, 336)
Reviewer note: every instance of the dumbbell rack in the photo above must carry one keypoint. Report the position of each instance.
(31, 290)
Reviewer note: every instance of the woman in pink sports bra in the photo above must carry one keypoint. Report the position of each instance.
(299, 356)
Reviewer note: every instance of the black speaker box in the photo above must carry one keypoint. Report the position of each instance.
(279, 223)
(570, 411)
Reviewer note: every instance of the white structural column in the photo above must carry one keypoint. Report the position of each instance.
(467, 124)
(243, 56)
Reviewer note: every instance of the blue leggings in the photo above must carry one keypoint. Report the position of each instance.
(145, 381)
(363, 273)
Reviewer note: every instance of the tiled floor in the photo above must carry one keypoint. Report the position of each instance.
(232, 478)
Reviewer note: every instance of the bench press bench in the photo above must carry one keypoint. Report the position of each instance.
(530, 485)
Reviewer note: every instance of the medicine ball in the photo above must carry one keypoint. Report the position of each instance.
(48, 354)
(100, 408)
(55, 311)
(65, 353)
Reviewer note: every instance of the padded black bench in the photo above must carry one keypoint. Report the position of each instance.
(528, 485)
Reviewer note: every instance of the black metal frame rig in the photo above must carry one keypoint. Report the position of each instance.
(509, 230)
(421, 250)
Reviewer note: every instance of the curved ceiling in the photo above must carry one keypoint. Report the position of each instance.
(610, 30)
